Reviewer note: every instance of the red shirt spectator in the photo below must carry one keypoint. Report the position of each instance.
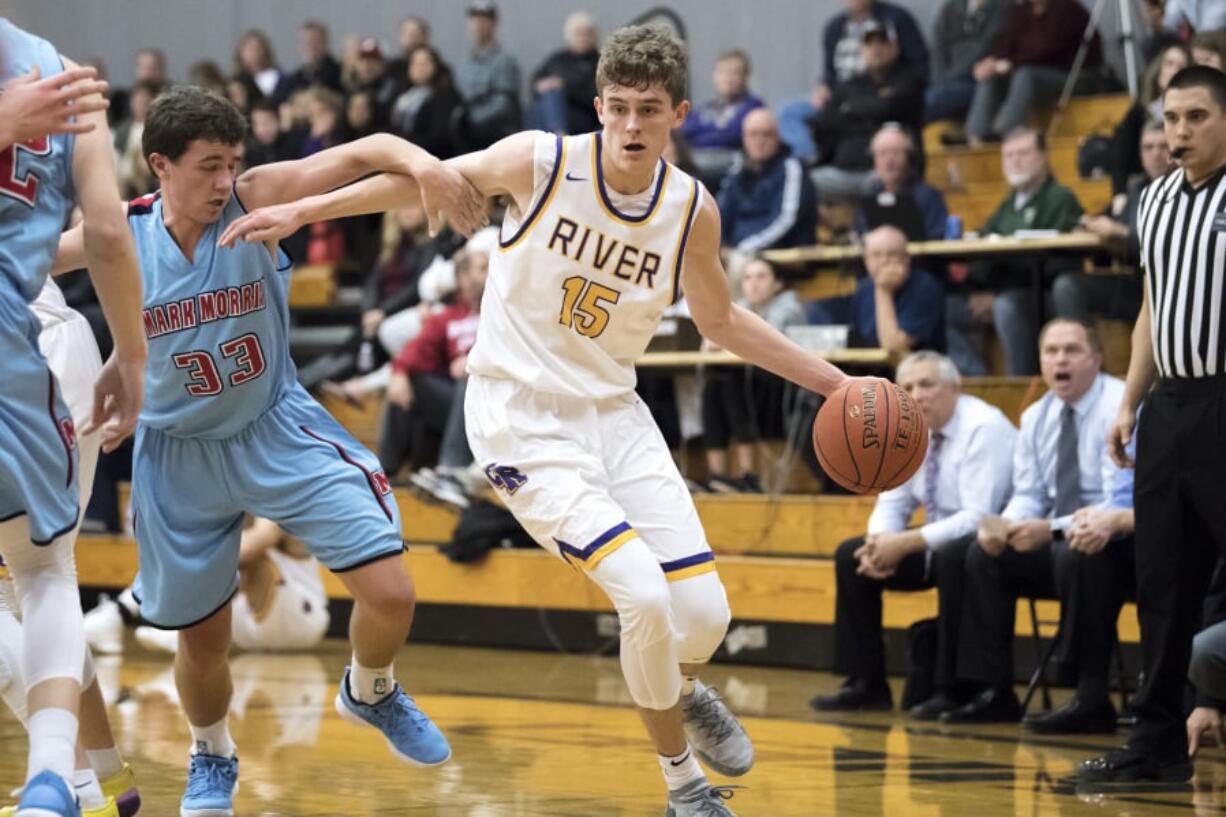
(445, 337)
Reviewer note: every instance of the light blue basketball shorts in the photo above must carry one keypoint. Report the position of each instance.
(38, 450)
(294, 465)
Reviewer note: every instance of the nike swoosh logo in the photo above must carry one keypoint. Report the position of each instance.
(571, 178)
(679, 762)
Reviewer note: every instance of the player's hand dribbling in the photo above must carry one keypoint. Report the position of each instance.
(272, 223)
(34, 107)
(1120, 436)
(449, 199)
(118, 395)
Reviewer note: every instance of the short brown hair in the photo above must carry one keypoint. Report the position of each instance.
(735, 54)
(642, 56)
(1092, 336)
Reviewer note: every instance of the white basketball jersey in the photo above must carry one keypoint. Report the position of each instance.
(577, 286)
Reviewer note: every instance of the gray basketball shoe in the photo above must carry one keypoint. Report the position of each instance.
(699, 799)
(714, 732)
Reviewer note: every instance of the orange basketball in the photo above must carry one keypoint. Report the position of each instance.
(870, 436)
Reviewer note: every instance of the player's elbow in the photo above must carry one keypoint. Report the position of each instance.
(106, 236)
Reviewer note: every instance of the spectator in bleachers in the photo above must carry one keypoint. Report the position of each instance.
(892, 308)
(423, 114)
(767, 200)
(256, 65)
(677, 153)
(1076, 294)
(1194, 16)
(843, 60)
(1054, 540)
(1159, 37)
(208, 75)
(426, 392)
(362, 115)
(998, 292)
(886, 91)
(488, 81)
(1126, 160)
(132, 171)
(327, 120)
(565, 84)
(318, 67)
(743, 405)
(150, 66)
(962, 36)
(266, 142)
(1027, 66)
(713, 128)
(897, 194)
(1209, 48)
(414, 31)
(966, 475)
(373, 75)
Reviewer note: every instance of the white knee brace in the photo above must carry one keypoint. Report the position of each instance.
(632, 578)
(701, 615)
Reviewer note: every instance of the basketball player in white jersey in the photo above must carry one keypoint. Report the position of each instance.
(601, 236)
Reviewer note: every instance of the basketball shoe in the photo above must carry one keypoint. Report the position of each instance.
(47, 795)
(108, 810)
(211, 781)
(122, 787)
(699, 799)
(410, 733)
(104, 627)
(715, 733)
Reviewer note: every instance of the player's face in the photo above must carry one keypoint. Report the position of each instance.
(199, 184)
(935, 397)
(637, 125)
(1068, 363)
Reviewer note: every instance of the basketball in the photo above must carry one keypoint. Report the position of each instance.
(870, 436)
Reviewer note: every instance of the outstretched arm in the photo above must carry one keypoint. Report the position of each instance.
(735, 328)
(111, 258)
(504, 168)
(444, 192)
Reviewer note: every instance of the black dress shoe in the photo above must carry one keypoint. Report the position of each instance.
(936, 706)
(1074, 718)
(854, 695)
(1130, 764)
(990, 706)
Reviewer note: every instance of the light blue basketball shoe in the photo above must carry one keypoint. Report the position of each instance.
(48, 794)
(211, 782)
(410, 733)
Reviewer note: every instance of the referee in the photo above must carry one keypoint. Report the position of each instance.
(1178, 366)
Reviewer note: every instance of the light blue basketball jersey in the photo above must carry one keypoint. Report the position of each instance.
(36, 190)
(217, 327)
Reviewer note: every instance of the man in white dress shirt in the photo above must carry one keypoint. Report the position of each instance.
(965, 476)
(1061, 466)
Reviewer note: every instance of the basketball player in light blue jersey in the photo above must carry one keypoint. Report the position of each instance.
(601, 236)
(48, 160)
(227, 429)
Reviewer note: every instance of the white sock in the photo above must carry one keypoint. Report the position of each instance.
(370, 685)
(687, 684)
(88, 791)
(53, 743)
(213, 740)
(681, 770)
(105, 762)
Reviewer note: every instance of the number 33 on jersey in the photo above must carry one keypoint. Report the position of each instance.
(586, 274)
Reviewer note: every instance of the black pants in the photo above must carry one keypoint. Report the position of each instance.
(859, 646)
(1091, 590)
(1181, 533)
(402, 434)
(741, 405)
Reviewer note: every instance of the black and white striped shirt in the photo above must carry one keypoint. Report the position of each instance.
(1183, 254)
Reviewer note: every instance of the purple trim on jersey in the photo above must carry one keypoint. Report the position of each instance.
(344, 455)
(536, 210)
(55, 421)
(688, 561)
(685, 237)
(600, 541)
(655, 196)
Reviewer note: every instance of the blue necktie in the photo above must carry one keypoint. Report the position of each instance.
(1068, 468)
(932, 472)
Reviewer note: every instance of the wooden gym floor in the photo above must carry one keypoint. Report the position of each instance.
(554, 736)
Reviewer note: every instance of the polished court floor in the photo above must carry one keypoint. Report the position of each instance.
(554, 736)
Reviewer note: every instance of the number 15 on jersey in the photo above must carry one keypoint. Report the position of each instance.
(585, 306)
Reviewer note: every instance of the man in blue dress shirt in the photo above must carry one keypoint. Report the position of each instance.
(966, 475)
(1053, 540)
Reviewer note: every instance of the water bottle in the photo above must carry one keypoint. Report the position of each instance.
(953, 228)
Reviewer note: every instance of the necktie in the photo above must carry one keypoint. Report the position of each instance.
(1068, 469)
(932, 471)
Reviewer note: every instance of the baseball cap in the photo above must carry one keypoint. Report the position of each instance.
(369, 47)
